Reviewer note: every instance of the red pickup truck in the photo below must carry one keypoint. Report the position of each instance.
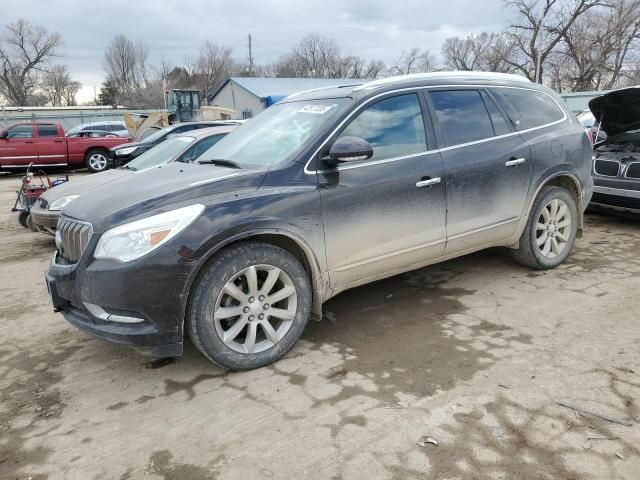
(45, 145)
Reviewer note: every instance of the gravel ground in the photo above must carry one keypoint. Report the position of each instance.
(475, 352)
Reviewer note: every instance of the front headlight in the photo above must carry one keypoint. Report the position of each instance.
(125, 151)
(133, 240)
(60, 203)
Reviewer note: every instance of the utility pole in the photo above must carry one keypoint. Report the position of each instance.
(250, 58)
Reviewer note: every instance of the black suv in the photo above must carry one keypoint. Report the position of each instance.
(327, 190)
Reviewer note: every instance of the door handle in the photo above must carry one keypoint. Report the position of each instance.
(427, 182)
(514, 162)
(28, 141)
(57, 141)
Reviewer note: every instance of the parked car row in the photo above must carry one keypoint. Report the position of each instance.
(322, 192)
(185, 147)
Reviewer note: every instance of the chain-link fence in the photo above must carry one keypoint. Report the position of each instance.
(68, 118)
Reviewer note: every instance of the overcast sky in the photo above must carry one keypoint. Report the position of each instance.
(372, 29)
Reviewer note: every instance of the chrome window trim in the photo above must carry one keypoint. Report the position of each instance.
(437, 150)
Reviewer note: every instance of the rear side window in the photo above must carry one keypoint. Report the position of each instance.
(394, 127)
(47, 131)
(200, 147)
(462, 116)
(501, 125)
(529, 108)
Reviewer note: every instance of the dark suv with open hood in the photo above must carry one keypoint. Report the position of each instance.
(616, 160)
(327, 190)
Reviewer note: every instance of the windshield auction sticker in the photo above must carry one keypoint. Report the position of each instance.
(317, 109)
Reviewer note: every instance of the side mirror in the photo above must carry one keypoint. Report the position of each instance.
(349, 149)
(4, 133)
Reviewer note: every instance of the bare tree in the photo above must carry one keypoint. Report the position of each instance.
(55, 82)
(70, 92)
(313, 56)
(539, 27)
(25, 50)
(413, 61)
(595, 49)
(492, 52)
(213, 65)
(125, 63)
(352, 66)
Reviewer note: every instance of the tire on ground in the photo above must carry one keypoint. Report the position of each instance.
(229, 262)
(529, 253)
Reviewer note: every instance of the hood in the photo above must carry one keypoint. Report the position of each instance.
(617, 111)
(78, 186)
(153, 190)
(130, 144)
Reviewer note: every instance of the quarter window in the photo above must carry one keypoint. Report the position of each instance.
(47, 131)
(394, 127)
(462, 116)
(20, 131)
(500, 124)
(530, 107)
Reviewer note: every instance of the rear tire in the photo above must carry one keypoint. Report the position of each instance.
(250, 306)
(96, 160)
(23, 219)
(550, 231)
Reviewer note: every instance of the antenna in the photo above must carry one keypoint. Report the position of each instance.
(250, 58)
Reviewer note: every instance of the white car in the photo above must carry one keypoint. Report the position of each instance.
(115, 127)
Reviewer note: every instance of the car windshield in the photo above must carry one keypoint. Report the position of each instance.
(156, 136)
(276, 134)
(160, 154)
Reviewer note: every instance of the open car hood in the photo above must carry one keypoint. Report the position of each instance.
(617, 111)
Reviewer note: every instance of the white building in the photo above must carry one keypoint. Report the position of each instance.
(248, 96)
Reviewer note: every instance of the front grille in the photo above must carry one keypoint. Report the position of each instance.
(608, 168)
(633, 170)
(122, 313)
(72, 237)
(616, 201)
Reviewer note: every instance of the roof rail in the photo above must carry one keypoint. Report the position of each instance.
(357, 85)
(412, 77)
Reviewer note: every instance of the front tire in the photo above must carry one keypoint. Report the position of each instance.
(96, 160)
(250, 306)
(550, 231)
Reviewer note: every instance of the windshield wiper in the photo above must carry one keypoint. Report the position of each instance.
(220, 162)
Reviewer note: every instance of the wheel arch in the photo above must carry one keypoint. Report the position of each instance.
(288, 241)
(563, 179)
(569, 182)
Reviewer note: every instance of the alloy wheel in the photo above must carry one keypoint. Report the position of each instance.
(553, 228)
(98, 161)
(255, 309)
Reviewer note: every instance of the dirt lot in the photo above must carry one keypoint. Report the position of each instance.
(474, 352)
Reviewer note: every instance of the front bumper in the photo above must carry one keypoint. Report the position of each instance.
(617, 195)
(46, 220)
(130, 304)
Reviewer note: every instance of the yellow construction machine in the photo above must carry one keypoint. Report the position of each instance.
(182, 106)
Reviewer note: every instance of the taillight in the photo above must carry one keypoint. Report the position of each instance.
(589, 135)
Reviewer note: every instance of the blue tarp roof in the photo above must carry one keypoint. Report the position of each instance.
(272, 90)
